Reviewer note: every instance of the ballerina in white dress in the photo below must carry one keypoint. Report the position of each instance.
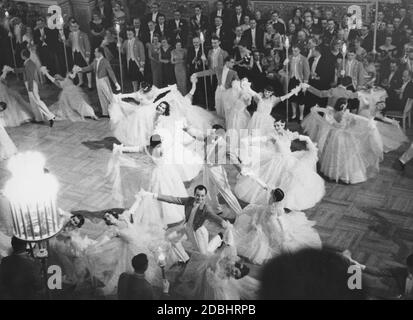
(220, 276)
(72, 104)
(18, 110)
(113, 251)
(7, 147)
(390, 131)
(279, 167)
(350, 146)
(237, 115)
(151, 171)
(262, 122)
(265, 231)
(133, 125)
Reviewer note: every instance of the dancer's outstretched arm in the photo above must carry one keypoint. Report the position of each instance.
(293, 92)
(164, 198)
(52, 79)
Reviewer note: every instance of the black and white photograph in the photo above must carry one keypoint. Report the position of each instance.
(206, 150)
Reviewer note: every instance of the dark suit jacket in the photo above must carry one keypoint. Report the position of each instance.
(174, 32)
(202, 214)
(226, 17)
(197, 27)
(52, 38)
(234, 21)
(324, 71)
(148, 17)
(258, 77)
(132, 286)
(259, 38)
(194, 65)
(224, 37)
(20, 277)
(165, 33)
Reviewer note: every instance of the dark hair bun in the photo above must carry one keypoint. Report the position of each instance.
(278, 195)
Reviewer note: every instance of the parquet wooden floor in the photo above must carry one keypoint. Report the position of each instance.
(373, 219)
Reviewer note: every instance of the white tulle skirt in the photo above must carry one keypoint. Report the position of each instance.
(7, 147)
(261, 122)
(5, 245)
(72, 105)
(392, 136)
(289, 232)
(18, 110)
(350, 154)
(295, 173)
(107, 261)
(201, 281)
(132, 125)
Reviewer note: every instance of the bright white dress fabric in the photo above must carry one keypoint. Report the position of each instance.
(349, 150)
(7, 146)
(72, 104)
(18, 110)
(278, 167)
(265, 231)
(262, 122)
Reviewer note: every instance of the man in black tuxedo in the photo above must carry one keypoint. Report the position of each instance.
(46, 41)
(403, 93)
(218, 30)
(199, 22)
(20, 274)
(237, 17)
(134, 286)
(366, 38)
(278, 25)
(161, 28)
(392, 81)
(153, 16)
(220, 12)
(253, 37)
(105, 9)
(140, 30)
(321, 75)
(257, 74)
(178, 29)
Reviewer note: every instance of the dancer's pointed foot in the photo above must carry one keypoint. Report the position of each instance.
(51, 122)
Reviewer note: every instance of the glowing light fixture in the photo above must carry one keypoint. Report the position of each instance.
(32, 196)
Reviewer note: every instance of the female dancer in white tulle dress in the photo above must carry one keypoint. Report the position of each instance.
(7, 147)
(279, 167)
(262, 122)
(153, 171)
(265, 231)
(391, 134)
(18, 110)
(133, 125)
(72, 104)
(114, 250)
(237, 115)
(220, 276)
(350, 146)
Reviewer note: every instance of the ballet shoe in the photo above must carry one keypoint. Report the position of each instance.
(51, 123)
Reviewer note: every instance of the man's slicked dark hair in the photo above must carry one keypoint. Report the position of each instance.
(200, 187)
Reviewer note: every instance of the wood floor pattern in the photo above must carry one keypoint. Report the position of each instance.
(373, 219)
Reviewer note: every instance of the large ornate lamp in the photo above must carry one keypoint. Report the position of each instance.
(32, 196)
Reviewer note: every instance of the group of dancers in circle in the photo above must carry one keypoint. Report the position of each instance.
(171, 172)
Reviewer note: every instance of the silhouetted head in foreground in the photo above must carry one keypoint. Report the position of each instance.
(309, 274)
